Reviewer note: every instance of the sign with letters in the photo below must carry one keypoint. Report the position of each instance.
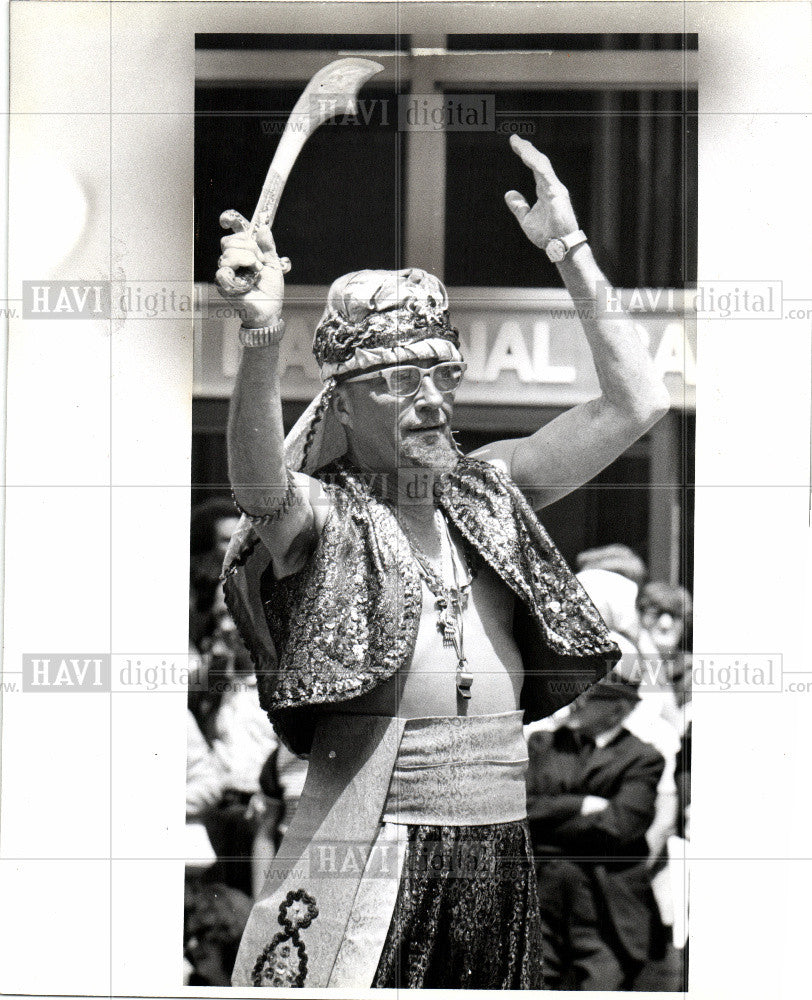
(522, 346)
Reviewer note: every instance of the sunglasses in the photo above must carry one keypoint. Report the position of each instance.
(404, 381)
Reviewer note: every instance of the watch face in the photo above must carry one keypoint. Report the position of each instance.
(556, 250)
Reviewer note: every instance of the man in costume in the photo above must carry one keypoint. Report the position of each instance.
(406, 611)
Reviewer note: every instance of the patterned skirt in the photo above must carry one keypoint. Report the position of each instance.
(467, 913)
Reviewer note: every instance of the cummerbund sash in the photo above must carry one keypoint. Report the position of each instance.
(460, 771)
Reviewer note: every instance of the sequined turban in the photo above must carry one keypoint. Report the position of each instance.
(379, 310)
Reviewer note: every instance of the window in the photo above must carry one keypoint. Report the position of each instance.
(629, 159)
(331, 220)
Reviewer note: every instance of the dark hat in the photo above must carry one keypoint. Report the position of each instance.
(614, 687)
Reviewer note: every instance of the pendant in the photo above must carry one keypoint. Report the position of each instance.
(445, 624)
(449, 632)
(464, 679)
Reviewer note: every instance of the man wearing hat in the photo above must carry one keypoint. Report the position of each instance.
(405, 611)
(592, 788)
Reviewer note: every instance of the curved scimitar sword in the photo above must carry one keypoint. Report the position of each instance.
(332, 91)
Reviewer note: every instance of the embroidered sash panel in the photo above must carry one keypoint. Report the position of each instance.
(460, 771)
(295, 931)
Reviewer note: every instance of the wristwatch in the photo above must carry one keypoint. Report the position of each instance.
(262, 336)
(558, 248)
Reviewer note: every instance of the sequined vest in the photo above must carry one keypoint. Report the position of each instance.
(348, 620)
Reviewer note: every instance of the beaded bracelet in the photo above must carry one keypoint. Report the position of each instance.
(287, 502)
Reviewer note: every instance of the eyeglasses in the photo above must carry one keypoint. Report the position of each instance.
(405, 380)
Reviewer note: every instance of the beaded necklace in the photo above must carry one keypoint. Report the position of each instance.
(450, 602)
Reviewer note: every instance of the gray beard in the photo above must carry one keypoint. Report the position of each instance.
(435, 456)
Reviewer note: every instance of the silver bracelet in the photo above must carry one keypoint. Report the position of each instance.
(262, 336)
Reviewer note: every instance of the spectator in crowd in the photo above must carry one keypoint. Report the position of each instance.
(616, 559)
(206, 665)
(240, 739)
(615, 596)
(206, 773)
(683, 778)
(205, 784)
(229, 738)
(212, 523)
(281, 782)
(285, 774)
(214, 919)
(243, 731)
(666, 612)
(592, 787)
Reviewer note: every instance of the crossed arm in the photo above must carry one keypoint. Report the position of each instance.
(578, 444)
(556, 815)
(627, 816)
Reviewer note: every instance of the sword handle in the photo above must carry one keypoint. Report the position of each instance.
(243, 279)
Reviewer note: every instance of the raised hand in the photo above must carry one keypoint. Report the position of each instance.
(259, 301)
(552, 215)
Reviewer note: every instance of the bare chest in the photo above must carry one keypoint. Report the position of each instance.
(427, 685)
